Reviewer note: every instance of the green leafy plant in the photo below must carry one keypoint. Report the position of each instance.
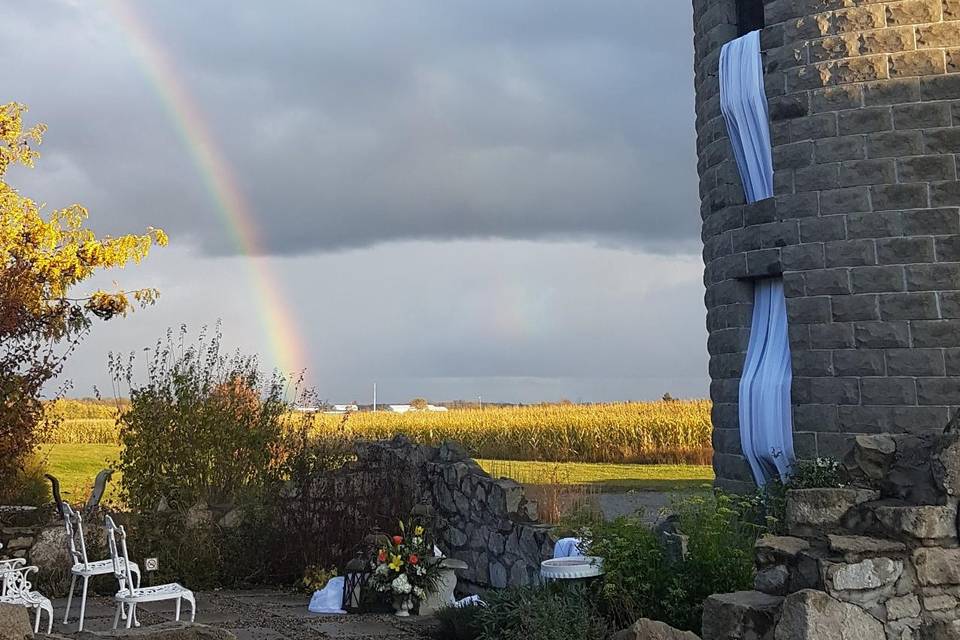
(316, 577)
(553, 612)
(201, 427)
(458, 623)
(643, 580)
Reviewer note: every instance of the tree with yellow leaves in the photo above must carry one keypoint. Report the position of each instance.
(42, 260)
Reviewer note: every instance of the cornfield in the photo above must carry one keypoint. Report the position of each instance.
(671, 432)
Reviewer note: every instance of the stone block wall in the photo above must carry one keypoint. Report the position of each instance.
(864, 227)
(486, 522)
(875, 559)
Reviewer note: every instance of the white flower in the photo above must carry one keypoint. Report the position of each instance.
(400, 584)
(420, 593)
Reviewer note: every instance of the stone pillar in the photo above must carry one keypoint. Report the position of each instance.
(865, 224)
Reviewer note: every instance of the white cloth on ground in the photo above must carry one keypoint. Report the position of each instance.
(468, 601)
(329, 599)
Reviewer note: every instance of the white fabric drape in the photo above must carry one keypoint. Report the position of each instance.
(743, 102)
(766, 424)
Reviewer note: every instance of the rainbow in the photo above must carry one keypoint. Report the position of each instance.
(278, 322)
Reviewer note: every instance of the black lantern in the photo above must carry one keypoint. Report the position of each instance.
(356, 574)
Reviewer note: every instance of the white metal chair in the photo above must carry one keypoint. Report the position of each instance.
(81, 566)
(15, 588)
(131, 595)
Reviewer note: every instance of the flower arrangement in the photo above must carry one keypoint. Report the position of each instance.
(404, 568)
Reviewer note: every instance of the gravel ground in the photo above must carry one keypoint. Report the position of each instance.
(255, 615)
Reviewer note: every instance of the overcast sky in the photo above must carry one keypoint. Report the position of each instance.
(456, 198)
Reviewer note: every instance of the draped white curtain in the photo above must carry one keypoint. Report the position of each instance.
(766, 424)
(744, 106)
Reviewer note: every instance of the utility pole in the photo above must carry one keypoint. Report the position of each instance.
(480, 400)
(374, 397)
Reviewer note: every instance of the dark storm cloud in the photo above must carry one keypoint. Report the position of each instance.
(356, 123)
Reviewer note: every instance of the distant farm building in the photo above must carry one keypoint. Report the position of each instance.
(404, 408)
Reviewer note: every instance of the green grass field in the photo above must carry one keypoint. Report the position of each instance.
(76, 465)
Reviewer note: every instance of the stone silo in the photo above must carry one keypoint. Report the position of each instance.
(864, 225)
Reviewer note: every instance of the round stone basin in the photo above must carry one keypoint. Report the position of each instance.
(575, 568)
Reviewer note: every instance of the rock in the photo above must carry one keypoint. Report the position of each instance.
(232, 519)
(873, 455)
(942, 602)
(774, 580)
(198, 515)
(854, 548)
(165, 631)
(14, 622)
(512, 495)
(518, 574)
(923, 522)
(778, 549)
(814, 615)
(645, 629)
(819, 511)
(941, 630)
(937, 566)
(945, 463)
(498, 575)
(21, 542)
(910, 478)
(451, 452)
(907, 606)
(49, 550)
(743, 614)
(868, 574)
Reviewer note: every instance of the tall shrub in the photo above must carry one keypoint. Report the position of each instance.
(202, 426)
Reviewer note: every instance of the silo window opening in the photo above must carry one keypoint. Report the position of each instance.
(766, 425)
(749, 15)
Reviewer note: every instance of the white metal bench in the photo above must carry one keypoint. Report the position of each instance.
(15, 588)
(131, 595)
(82, 567)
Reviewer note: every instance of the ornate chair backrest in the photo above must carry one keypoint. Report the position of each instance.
(14, 582)
(118, 553)
(73, 522)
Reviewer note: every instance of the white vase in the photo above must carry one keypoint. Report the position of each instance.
(402, 606)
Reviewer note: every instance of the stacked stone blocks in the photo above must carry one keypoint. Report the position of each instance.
(876, 559)
(865, 223)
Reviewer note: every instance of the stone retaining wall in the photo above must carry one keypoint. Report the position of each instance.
(877, 559)
(488, 523)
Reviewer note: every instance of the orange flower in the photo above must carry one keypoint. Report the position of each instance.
(382, 556)
(397, 539)
(413, 559)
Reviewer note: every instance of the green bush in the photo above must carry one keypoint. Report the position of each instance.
(458, 623)
(553, 612)
(29, 486)
(202, 427)
(643, 581)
